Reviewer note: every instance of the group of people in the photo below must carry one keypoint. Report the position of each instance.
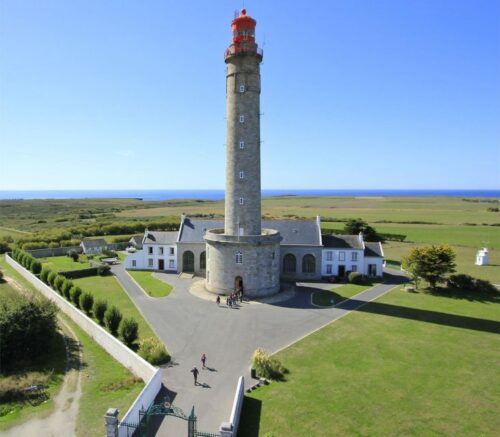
(232, 299)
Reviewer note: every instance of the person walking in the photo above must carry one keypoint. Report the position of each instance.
(218, 300)
(203, 360)
(195, 373)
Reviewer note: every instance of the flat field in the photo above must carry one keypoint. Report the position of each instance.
(406, 364)
(151, 285)
(65, 263)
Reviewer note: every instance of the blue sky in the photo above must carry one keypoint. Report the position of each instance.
(356, 94)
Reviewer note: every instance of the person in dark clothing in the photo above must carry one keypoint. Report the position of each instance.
(218, 300)
(203, 360)
(195, 373)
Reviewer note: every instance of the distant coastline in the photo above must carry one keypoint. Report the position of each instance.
(219, 194)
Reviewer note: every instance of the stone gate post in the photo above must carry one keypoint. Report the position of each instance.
(111, 422)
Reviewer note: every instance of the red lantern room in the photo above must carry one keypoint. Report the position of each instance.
(243, 28)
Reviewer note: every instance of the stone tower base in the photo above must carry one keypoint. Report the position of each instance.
(259, 270)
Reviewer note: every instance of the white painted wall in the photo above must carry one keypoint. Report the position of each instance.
(336, 260)
(142, 257)
(234, 419)
(374, 260)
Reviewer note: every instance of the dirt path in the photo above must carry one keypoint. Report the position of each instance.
(62, 420)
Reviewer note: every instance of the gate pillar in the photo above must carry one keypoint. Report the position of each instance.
(111, 422)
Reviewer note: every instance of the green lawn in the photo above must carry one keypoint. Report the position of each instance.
(108, 288)
(151, 285)
(406, 364)
(337, 294)
(65, 263)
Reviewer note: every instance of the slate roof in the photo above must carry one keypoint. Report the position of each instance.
(99, 242)
(374, 249)
(160, 237)
(137, 240)
(293, 231)
(342, 241)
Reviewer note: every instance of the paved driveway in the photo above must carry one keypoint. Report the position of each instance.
(190, 326)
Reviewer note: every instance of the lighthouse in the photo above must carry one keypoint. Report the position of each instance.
(243, 255)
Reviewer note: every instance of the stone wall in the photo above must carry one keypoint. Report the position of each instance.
(299, 252)
(61, 251)
(230, 429)
(197, 249)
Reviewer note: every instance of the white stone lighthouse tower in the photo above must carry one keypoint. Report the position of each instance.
(242, 255)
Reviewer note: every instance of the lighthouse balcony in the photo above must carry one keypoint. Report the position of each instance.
(243, 49)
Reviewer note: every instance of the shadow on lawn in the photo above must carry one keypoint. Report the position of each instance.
(250, 418)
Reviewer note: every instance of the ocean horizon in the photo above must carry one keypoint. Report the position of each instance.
(202, 194)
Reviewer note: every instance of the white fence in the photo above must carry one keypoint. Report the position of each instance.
(151, 375)
(230, 429)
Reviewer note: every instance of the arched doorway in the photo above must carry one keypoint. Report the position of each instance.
(289, 263)
(308, 264)
(238, 283)
(203, 260)
(188, 261)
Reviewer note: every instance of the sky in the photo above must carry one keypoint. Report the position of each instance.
(355, 94)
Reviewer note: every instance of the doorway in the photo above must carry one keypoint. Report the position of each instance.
(161, 264)
(188, 261)
(341, 271)
(238, 283)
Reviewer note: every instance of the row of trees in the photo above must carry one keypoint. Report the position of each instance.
(27, 261)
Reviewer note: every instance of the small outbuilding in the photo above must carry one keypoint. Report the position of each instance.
(93, 246)
(136, 241)
(482, 258)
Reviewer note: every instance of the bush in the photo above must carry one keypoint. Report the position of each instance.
(4, 247)
(267, 366)
(461, 282)
(36, 267)
(51, 278)
(100, 307)
(129, 330)
(484, 286)
(103, 270)
(73, 254)
(66, 287)
(58, 283)
(74, 294)
(112, 318)
(44, 274)
(1, 276)
(154, 351)
(356, 278)
(86, 302)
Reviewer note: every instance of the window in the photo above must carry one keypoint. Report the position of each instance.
(308, 264)
(171, 264)
(242, 174)
(172, 251)
(242, 201)
(208, 276)
(161, 250)
(354, 268)
(150, 262)
(354, 256)
(239, 258)
(328, 269)
(242, 119)
(203, 260)
(242, 144)
(289, 263)
(241, 231)
(150, 250)
(329, 255)
(341, 256)
(273, 255)
(242, 88)
(134, 263)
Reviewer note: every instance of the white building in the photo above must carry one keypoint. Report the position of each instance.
(93, 246)
(482, 258)
(159, 252)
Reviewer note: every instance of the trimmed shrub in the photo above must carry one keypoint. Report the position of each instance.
(73, 254)
(86, 302)
(112, 318)
(81, 273)
(58, 283)
(36, 266)
(356, 278)
(100, 307)
(103, 270)
(461, 282)
(4, 247)
(485, 286)
(66, 287)
(51, 278)
(75, 293)
(44, 274)
(153, 351)
(129, 331)
(267, 366)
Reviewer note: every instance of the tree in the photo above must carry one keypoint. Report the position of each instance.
(66, 287)
(355, 226)
(103, 270)
(36, 266)
(75, 293)
(431, 263)
(100, 307)
(113, 317)
(58, 283)
(73, 254)
(129, 331)
(51, 278)
(86, 302)
(44, 275)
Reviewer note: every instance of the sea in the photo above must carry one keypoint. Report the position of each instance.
(219, 194)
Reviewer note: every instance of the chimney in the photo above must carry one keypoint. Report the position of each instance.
(360, 236)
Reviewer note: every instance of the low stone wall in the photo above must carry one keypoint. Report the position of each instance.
(230, 429)
(143, 401)
(53, 251)
(136, 364)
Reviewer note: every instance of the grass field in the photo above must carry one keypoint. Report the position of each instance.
(151, 285)
(108, 288)
(50, 368)
(407, 364)
(337, 294)
(65, 263)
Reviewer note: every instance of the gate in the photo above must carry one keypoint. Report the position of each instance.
(165, 408)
